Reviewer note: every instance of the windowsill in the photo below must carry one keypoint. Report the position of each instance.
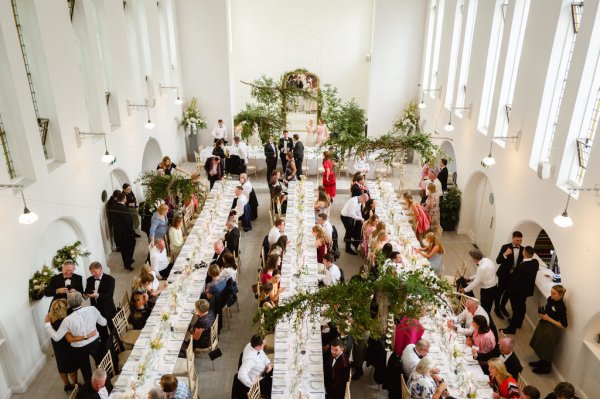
(52, 164)
(594, 347)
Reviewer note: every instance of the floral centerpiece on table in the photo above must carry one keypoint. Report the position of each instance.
(69, 252)
(39, 281)
(192, 119)
(156, 344)
(165, 315)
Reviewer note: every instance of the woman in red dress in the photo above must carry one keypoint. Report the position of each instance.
(328, 175)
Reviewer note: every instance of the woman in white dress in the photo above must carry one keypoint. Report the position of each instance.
(310, 130)
(322, 132)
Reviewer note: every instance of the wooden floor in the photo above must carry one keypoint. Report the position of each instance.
(217, 384)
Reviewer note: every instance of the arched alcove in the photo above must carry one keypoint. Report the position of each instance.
(478, 211)
(114, 181)
(152, 155)
(448, 148)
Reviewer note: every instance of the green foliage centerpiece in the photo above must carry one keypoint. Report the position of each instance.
(161, 187)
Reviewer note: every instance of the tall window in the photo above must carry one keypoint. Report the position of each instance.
(585, 141)
(461, 89)
(436, 46)
(10, 167)
(456, 31)
(491, 68)
(511, 66)
(556, 80)
(429, 44)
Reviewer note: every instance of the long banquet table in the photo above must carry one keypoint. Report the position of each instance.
(156, 350)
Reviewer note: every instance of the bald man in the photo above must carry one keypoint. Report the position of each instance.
(509, 357)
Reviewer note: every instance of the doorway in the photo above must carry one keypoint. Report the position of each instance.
(479, 211)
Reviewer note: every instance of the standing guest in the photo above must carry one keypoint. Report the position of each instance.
(443, 175)
(485, 278)
(201, 329)
(367, 233)
(322, 132)
(352, 219)
(423, 383)
(255, 365)
(432, 250)
(421, 220)
(522, 286)
(322, 242)
(336, 368)
(290, 167)
(508, 258)
(159, 226)
(432, 207)
(65, 361)
(509, 357)
(328, 175)
(232, 237)
(159, 259)
(358, 185)
(176, 240)
(81, 323)
(146, 213)
(132, 206)
(504, 384)
(100, 288)
(553, 319)
(123, 231)
(333, 274)
(412, 354)
(472, 309)
(167, 166)
(110, 210)
(310, 130)
(220, 131)
(65, 282)
(218, 151)
(563, 390)
(323, 221)
(530, 392)
(408, 331)
(432, 179)
(174, 388)
(270, 156)
(214, 170)
(276, 231)
(298, 152)
(95, 388)
(242, 150)
(285, 145)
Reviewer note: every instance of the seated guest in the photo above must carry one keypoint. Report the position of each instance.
(149, 281)
(66, 281)
(509, 357)
(276, 281)
(336, 368)
(322, 204)
(563, 390)
(276, 181)
(333, 273)
(280, 246)
(232, 237)
(201, 329)
(176, 240)
(220, 250)
(157, 393)
(408, 331)
(530, 392)
(322, 220)
(482, 342)
(216, 286)
(504, 384)
(229, 268)
(412, 354)
(265, 300)
(255, 365)
(273, 262)
(323, 242)
(239, 202)
(276, 231)
(173, 388)
(472, 309)
(279, 200)
(423, 383)
(159, 259)
(94, 388)
(140, 309)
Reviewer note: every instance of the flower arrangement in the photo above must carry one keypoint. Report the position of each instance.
(156, 344)
(39, 282)
(165, 315)
(69, 252)
(409, 122)
(192, 118)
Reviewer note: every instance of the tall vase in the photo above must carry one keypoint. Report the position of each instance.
(191, 146)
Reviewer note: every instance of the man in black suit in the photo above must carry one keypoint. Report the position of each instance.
(298, 154)
(509, 357)
(270, 157)
(110, 212)
(123, 231)
(336, 368)
(443, 174)
(96, 388)
(64, 282)
(285, 145)
(100, 289)
(521, 286)
(220, 250)
(232, 237)
(508, 258)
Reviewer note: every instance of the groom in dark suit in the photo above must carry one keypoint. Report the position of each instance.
(336, 367)
(62, 283)
(270, 157)
(298, 154)
(100, 289)
(508, 258)
(285, 145)
(443, 174)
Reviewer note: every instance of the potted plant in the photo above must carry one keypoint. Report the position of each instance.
(450, 209)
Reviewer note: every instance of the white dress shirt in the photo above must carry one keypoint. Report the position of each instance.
(220, 132)
(241, 203)
(247, 188)
(352, 209)
(243, 151)
(274, 235)
(466, 317)
(81, 322)
(158, 260)
(410, 358)
(328, 227)
(485, 276)
(333, 275)
(103, 393)
(253, 364)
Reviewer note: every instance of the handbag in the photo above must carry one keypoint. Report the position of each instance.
(215, 354)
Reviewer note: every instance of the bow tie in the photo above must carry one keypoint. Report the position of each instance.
(97, 279)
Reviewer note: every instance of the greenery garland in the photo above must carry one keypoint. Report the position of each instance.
(161, 187)
(68, 252)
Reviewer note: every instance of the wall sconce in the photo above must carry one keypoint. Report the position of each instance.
(27, 217)
(450, 127)
(178, 100)
(422, 104)
(564, 220)
(489, 160)
(107, 158)
(146, 105)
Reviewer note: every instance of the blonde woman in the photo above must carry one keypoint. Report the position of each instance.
(433, 250)
(380, 240)
(159, 225)
(422, 384)
(168, 166)
(420, 222)
(176, 240)
(310, 131)
(432, 206)
(323, 242)
(367, 232)
(504, 385)
(322, 132)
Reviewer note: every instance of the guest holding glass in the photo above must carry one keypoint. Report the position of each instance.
(432, 250)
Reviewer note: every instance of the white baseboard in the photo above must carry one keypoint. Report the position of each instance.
(22, 386)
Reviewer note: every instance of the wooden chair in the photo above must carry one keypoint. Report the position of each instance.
(254, 392)
(460, 272)
(74, 392)
(122, 355)
(182, 366)
(214, 341)
(269, 343)
(199, 165)
(127, 337)
(405, 390)
(106, 364)
(459, 301)
(251, 168)
(522, 383)
(124, 304)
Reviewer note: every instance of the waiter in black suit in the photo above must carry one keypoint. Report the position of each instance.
(298, 154)
(64, 282)
(521, 286)
(508, 258)
(336, 368)
(232, 237)
(100, 289)
(123, 231)
(285, 145)
(271, 157)
(443, 174)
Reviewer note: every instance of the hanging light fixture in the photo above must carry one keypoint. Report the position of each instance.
(27, 217)
(564, 220)
(489, 160)
(149, 125)
(107, 158)
(449, 127)
(178, 100)
(422, 104)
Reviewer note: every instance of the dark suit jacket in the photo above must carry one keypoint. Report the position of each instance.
(523, 278)
(443, 178)
(122, 223)
(87, 392)
(290, 145)
(106, 289)
(513, 365)
(336, 377)
(355, 190)
(218, 259)
(269, 153)
(232, 240)
(298, 151)
(506, 265)
(58, 281)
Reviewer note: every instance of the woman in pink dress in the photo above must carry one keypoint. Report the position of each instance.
(322, 132)
(368, 228)
(328, 175)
